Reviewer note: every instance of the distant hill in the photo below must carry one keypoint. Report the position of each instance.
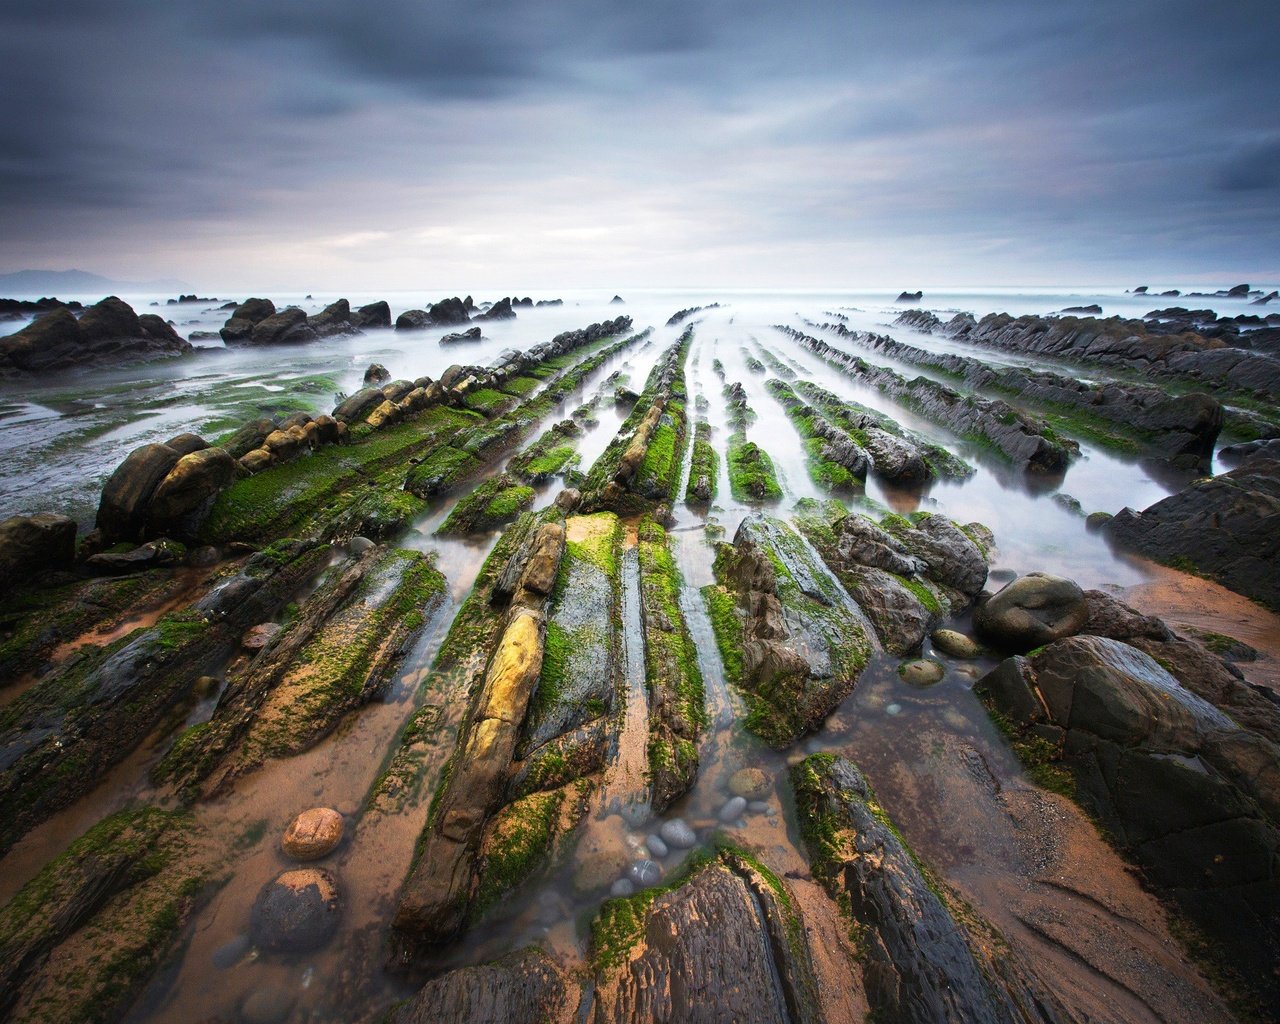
(77, 282)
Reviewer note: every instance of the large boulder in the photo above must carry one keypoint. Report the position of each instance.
(127, 492)
(297, 912)
(105, 332)
(1194, 797)
(359, 405)
(500, 310)
(449, 311)
(334, 319)
(188, 490)
(1226, 527)
(254, 310)
(248, 437)
(375, 314)
(30, 545)
(289, 326)
(413, 320)
(1031, 611)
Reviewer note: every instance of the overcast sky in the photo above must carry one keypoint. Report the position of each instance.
(329, 144)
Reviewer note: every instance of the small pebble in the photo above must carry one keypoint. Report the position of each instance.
(622, 887)
(678, 835)
(645, 873)
(759, 807)
(229, 953)
(732, 810)
(656, 846)
(893, 709)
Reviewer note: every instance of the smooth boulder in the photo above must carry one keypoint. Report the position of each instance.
(30, 545)
(1031, 611)
(296, 912)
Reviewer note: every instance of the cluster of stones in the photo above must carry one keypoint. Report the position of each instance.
(107, 331)
(299, 910)
(257, 322)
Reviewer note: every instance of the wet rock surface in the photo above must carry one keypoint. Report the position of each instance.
(526, 987)
(297, 912)
(1031, 611)
(1180, 784)
(1226, 527)
(108, 332)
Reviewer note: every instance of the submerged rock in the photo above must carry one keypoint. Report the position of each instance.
(297, 912)
(948, 641)
(923, 672)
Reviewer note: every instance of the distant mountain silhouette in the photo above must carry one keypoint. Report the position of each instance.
(77, 282)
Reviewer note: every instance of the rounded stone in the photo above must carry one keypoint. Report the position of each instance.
(599, 866)
(359, 545)
(956, 644)
(313, 834)
(296, 912)
(1033, 610)
(921, 672)
(259, 636)
(751, 783)
(269, 1005)
(622, 887)
(759, 807)
(645, 873)
(733, 809)
(229, 953)
(678, 835)
(655, 845)
(207, 686)
(1095, 521)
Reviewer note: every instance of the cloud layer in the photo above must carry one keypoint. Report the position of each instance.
(397, 144)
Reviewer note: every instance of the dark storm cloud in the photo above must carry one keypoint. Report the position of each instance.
(990, 124)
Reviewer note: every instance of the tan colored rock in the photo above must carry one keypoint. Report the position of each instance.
(750, 783)
(257, 460)
(956, 644)
(544, 561)
(192, 483)
(385, 414)
(313, 834)
(281, 443)
(259, 636)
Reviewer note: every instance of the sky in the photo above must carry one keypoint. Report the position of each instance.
(511, 144)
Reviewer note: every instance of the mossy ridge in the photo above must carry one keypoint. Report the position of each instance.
(665, 384)
(288, 498)
(751, 472)
(672, 674)
(34, 622)
(852, 418)
(351, 657)
(726, 624)
(493, 503)
(310, 492)
(619, 925)
(829, 475)
(705, 465)
(520, 841)
(112, 904)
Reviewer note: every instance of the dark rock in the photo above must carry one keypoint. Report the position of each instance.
(1033, 610)
(1265, 299)
(1240, 291)
(376, 374)
(33, 545)
(617, 300)
(108, 331)
(1092, 310)
(449, 311)
(204, 336)
(1190, 794)
(500, 310)
(525, 987)
(359, 405)
(150, 555)
(909, 296)
(185, 444)
(375, 314)
(254, 310)
(919, 963)
(471, 334)
(333, 320)
(289, 326)
(127, 492)
(413, 320)
(1226, 527)
(297, 912)
(248, 437)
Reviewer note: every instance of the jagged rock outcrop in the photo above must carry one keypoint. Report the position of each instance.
(238, 330)
(1024, 440)
(1192, 796)
(374, 314)
(1180, 428)
(525, 987)
(1114, 342)
(445, 313)
(500, 310)
(920, 964)
(107, 332)
(725, 945)
(1225, 527)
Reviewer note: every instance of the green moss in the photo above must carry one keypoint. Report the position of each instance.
(751, 473)
(1040, 759)
(619, 925)
(922, 594)
(521, 386)
(493, 503)
(671, 660)
(487, 401)
(726, 623)
(705, 464)
(518, 843)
